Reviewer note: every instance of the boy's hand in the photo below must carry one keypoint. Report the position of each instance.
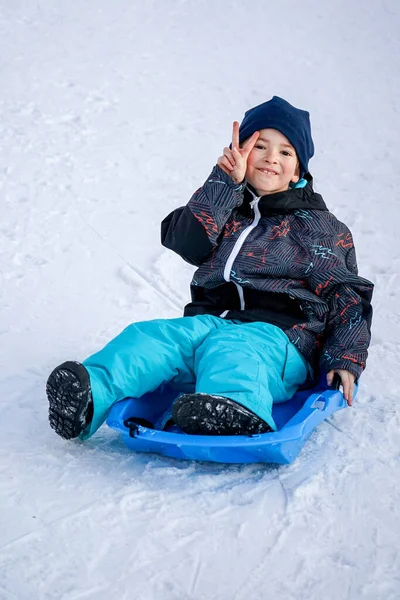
(234, 161)
(347, 379)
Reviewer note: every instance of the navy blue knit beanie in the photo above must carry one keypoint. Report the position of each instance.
(293, 122)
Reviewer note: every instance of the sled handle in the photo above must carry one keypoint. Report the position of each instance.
(133, 424)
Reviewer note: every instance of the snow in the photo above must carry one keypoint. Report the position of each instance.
(112, 114)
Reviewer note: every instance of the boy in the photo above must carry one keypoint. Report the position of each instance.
(276, 296)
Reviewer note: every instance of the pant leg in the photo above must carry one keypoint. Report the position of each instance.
(142, 357)
(254, 364)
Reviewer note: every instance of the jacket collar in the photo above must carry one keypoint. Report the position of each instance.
(288, 201)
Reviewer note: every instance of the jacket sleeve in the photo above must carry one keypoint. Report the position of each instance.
(348, 296)
(193, 231)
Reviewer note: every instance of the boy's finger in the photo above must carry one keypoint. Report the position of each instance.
(249, 145)
(350, 398)
(224, 163)
(329, 377)
(347, 389)
(229, 156)
(350, 394)
(235, 135)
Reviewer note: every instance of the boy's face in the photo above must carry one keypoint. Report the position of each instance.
(272, 164)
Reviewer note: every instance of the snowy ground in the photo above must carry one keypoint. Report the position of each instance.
(111, 114)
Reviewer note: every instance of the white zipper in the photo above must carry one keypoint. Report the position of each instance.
(241, 296)
(237, 247)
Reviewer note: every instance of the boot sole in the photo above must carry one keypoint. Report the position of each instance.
(69, 394)
(203, 414)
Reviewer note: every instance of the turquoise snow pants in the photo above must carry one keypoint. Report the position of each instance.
(254, 364)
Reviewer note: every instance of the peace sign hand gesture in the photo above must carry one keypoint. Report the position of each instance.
(234, 160)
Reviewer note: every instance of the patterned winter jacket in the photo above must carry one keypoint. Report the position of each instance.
(283, 259)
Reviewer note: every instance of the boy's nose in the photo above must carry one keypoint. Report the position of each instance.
(270, 156)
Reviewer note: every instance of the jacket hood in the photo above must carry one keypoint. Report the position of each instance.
(288, 201)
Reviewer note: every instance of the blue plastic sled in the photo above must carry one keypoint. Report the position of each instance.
(146, 427)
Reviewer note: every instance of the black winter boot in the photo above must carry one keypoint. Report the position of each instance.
(206, 414)
(70, 399)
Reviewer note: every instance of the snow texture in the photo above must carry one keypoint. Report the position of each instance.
(112, 114)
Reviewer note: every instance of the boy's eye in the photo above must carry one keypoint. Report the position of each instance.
(284, 152)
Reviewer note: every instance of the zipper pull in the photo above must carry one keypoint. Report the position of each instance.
(253, 202)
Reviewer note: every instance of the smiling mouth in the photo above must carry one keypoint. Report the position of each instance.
(268, 171)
